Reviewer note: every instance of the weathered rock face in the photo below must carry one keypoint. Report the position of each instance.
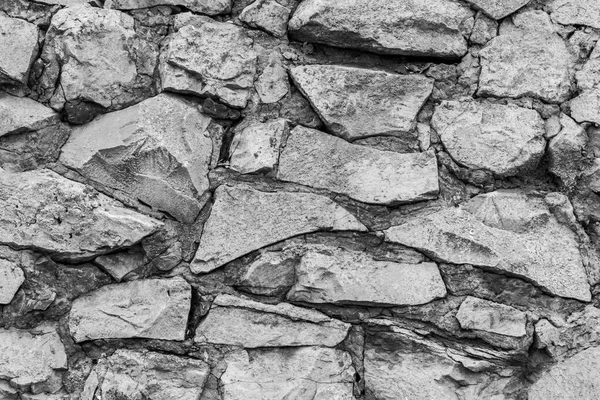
(414, 28)
(584, 108)
(19, 44)
(267, 15)
(209, 7)
(505, 231)
(354, 103)
(273, 84)
(244, 219)
(153, 308)
(498, 9)
(239, 322)
(487, 316)
(255, 147)
(527, 59)
(20, 114)
(503, 139)
(576, 12)
(44, 211)
(210, 58)
(589, 76)
(319, 160)
(157, 152)
(566, 151)
(304, 373)
(271, 274)
(11, 278)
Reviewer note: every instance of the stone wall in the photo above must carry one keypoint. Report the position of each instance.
(299, 200)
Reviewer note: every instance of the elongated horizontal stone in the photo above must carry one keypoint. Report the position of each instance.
(355, 102)
(239, 322)
(244, 219)
(330, 275)
(487, 316)
(19, 46)
(414, 28)
(152, 308)
(320, 160)
(21, 114)
(498, 9)
(576, 12)
(209, 7)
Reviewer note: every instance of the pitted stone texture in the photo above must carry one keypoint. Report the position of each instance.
(589, 76)
(273, 84)
(330, 275)
(413, 28)
(576, 12)
(157, 151)
(210, 58)
(503, 139)
(11, 278)
(586, 107)
(304, 373)
(18, 46)
(255, 147)
(267, 15)
(142, 374)
(527, 59)
(498, 9)
(320, 160)
(484, 29)
(249, 324)
(355, 103)
(34, 358)
(152, 308)
(209, 7)
(566, 151)
(487, 316)
(244, 219)
(21, 114)
(42, 210)
(507, 231)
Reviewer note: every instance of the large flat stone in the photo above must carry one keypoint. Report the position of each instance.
(354, 102)
(576, 12)
(333, 275)
(487, 316)
(250, 324)
(19, 46)
(244, 219)
(157, 152)
(413, 28)
(11, 278)
(22, 114)
(503, 139)
(151, 308)
(42, 210)
(506, 231)
(209, 7)
(320, 160)
(498, 9)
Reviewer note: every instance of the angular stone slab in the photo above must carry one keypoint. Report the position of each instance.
(498, 9)
(586, 107)
(320, 160)
(209, 7)
(250, 324)
(150, 308)
(355, 103)
(576, 12)
(267, 15)
(244, 219)
(589, 76)
(22, 114)
(42, 210)
(19, 46)
(157, 152)
(506, 231)
(503, 139)
(431, 28)
(304, 373)
(331, 275)
(11, 278)
(487, 316)
(255, 147)
(566, 151)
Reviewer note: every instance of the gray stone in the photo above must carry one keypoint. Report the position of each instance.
(11, 278)
(588, 77)
(42, 210)
(210, 58)
(415, 28)
(249, 324)
(119, 265)
(586, 107)
(320, 160)
(482, 315)
(355, 103)
(19, 46)
(507, 231)
(304, 373)
(271, 274)
(151, 308)
(527, 59)
(209, 7)
(566, 151)
(576, 12)
(484, 29)
(504, 139)
(498, 9)
(267, 15)
(272, 85)
(255, 147)
(244, 219)
(333, 275)
(156, 152)
(21, 114)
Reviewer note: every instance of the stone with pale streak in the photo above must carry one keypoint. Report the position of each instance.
(482, 315)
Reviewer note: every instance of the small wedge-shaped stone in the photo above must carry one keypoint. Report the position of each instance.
(42, 210)
(498, 9)
(150, 308)
(487, 316)
(21, 114)
(18, 46)
(431, 28)
(240, 322)
(355, 103)
(506, 231)
(576, 12)
(331, 275)
(209, 7)
(244, 219)
(503, 139)
(34, 357)
(156, 151)
(320, 160)
(11, 278)
(305, 373)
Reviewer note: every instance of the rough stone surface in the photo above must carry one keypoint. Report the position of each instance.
(157, 151)
(320, 160)
(503, 139)
(329, 275)
(498, 9)
(487, 316)
(255, 147)
(209, 7)
(244, 219)
(18, 115)
(267, 15)
(19, 46)
(153, 308)
(11, 278)
(414, 28)
(484, 29)
(119, 265)
(249, 324)
(584, 108)
(270, 274)
(273, 84)
(355, 103)
(506, 231)
(566, 151)
(576, 12)
(589, 76)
